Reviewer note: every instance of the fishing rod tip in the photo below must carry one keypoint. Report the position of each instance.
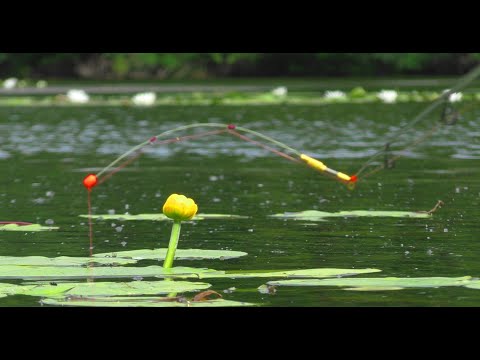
(90, 181)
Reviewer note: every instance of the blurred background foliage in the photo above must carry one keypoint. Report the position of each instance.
(138, 66)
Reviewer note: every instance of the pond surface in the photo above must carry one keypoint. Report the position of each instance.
(45, 152)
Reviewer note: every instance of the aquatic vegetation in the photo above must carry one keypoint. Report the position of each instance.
(41, 84)
(102, 288)
(10, 83)
(335, 95)
(388, 96)
(382, 284)
(315, 215)
(77, 96)
(454, 96)
(29, 227)
(97, 272)
(178, 208)
(144, 99)
(160, 254)
(280, 91)
(132, 301)
(64, 261)
(36, 272)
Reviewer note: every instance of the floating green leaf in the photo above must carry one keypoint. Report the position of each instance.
(388, 283)
(140, 302)
(307, 273)
(474, 284)
(181, 254)
(113, 288)
(68, 272)
(62, 261)
(161, 217)
(314, 215)
(32, 227)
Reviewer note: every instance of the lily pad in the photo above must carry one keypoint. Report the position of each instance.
(113, 288)
(388, 283)
(315, 215)
(69, 272)
(32, 227)
(161, 217)
(62, 261)
(180, 254)
(306, 273)
(140, 302)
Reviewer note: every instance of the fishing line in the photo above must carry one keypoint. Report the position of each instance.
(467, 79)
(232, 129)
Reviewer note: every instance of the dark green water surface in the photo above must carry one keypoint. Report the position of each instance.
(46, 152)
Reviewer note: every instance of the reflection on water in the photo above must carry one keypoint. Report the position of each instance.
(44, 154)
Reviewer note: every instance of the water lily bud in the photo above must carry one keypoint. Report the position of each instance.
(179, 207)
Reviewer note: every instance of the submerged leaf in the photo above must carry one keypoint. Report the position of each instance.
(180, 254)
(161, 217)
(314, 215)
(392, 283)
(32, 227)
(141, 302)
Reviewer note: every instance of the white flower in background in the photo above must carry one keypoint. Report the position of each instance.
(41, 84)
(280, 91)
(388, 96)
(454, 97)
(78, 96)
(10, 83)
(144, 99)
(337, 94)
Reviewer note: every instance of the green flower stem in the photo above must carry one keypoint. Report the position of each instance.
(172, 245)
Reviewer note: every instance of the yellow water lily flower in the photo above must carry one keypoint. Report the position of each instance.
(179, 207)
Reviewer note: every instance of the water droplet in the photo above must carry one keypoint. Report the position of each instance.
(137, 278)
(230, 290)
(49, 222)
(123, 243)
(213, 178)
(111, 212)
(106, 241)
(250, 230)
(260, 185)
(429, 252)
(407, 252)
(50, 194)
(119, 228)
(216, 199)
(445, 230)
(13, 201)
(157, 194)
(457, 190)
(127, 206)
